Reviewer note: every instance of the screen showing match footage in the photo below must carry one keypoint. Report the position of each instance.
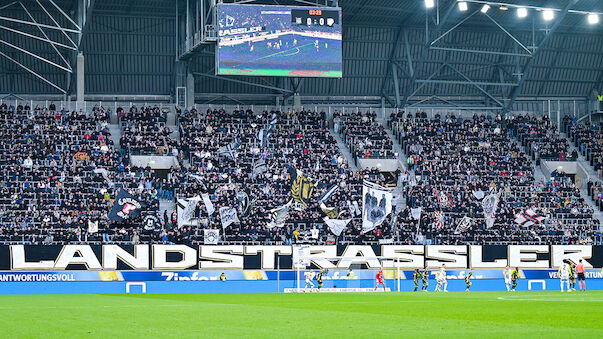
(279, 41)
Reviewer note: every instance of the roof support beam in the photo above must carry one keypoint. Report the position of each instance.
(390, 58)
(52, 19)
(476, 85)
(34, 73)
(452, 49)
(45, 35)
(39, 25)
(35, 56)
(420, 62)
(526, 68)
(85, 24)
(468, 82)
(396, 83)
(498, 69)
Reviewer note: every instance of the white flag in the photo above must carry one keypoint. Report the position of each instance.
(279, 215)
(351, 209)
(463, 225)
(376, 205)
(92, 226)
(104, 173)
(528, 218)
(489, 205)
(356, 208)
(416, 213)
(208, 205)
(337, 225)
(228, 216)
(314, 233)
(211, 237)
(479, 195)
(186, 210)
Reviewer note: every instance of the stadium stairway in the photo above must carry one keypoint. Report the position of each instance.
(590, 171)
(397, 147)
(171, 123)
(581, 159)
(343, 148)
(166, 205)
(115, 133)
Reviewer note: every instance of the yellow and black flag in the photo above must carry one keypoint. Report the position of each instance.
(301, 187)
(329, 212)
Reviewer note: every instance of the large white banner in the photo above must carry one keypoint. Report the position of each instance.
(186, 210)
(376, 205)
(228, 216)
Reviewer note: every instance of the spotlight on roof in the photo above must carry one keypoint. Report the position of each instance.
(504, 8)
(462, 6)
(548, 15)
(593, 19)
(429, 4)
(485, 8)
(522, 12)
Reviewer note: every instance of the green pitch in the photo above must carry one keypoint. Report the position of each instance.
(384, 315)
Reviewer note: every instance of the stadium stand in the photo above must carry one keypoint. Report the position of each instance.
(588, 139)
(60, 170)
(460, 157)
(145, 131)
(540, 137)
(365, 137)
(63, 171)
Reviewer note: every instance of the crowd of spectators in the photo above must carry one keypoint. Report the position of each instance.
(454, 159)
(364, 136)
(541, 138)
(298, 139)
(145, 131)
(588, 139)
(61, 171)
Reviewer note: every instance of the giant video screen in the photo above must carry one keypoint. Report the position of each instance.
(290, 41)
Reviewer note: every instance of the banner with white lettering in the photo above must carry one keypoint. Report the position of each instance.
(228, 215)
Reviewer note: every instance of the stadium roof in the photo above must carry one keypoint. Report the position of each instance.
(130, 48)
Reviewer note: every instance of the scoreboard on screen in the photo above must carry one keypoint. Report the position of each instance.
(279, 41)
(314, 17)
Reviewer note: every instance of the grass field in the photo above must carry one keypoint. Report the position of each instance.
(351, 315)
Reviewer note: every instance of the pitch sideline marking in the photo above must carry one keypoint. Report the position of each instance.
(549, 299)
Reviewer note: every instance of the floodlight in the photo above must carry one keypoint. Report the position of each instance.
(548, 15)
(429, 3)
(463, 6)
(593, 19)
(485, 8)
(522, 12)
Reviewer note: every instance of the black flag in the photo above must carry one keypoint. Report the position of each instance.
(126, 207)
